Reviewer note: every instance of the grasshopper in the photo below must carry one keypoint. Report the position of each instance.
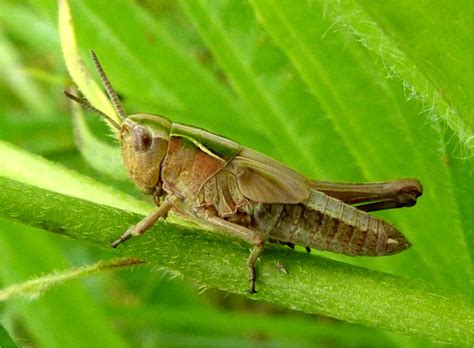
(247, 194)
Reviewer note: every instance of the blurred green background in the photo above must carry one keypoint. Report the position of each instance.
(359, 91)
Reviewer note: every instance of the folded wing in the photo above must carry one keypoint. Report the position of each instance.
(262, 179)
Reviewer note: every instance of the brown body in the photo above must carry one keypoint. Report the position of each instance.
(318, 221)
(249, 195)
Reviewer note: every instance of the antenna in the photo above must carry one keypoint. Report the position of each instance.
(86, 105)
(108, 88)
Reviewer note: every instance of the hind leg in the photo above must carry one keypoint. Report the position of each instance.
(252, 237)
(257, 250)
(373, 196)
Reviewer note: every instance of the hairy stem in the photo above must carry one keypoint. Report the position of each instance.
(313, 284)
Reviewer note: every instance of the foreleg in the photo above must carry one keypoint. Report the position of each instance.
(145, 224)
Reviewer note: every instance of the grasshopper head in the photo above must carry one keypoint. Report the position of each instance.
(144, 137)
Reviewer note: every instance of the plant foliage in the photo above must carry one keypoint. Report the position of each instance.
(349, 91)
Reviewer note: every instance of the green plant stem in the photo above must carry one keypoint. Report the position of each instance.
(314, 284)
(35, 287)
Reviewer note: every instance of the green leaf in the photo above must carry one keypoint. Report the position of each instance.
(318, 285)
(13, 72)
(24, 167)
(5, 339)
(267, 83)
(290, 331)
(346, 91)
(103, 157)
(429, 46)
(76, 66)
(366, 118)
(166, 85)
(63, 310)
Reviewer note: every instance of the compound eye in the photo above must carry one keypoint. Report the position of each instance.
(142, 139)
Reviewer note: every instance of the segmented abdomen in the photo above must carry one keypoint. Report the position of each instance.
(322, 222)
(326, 223)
